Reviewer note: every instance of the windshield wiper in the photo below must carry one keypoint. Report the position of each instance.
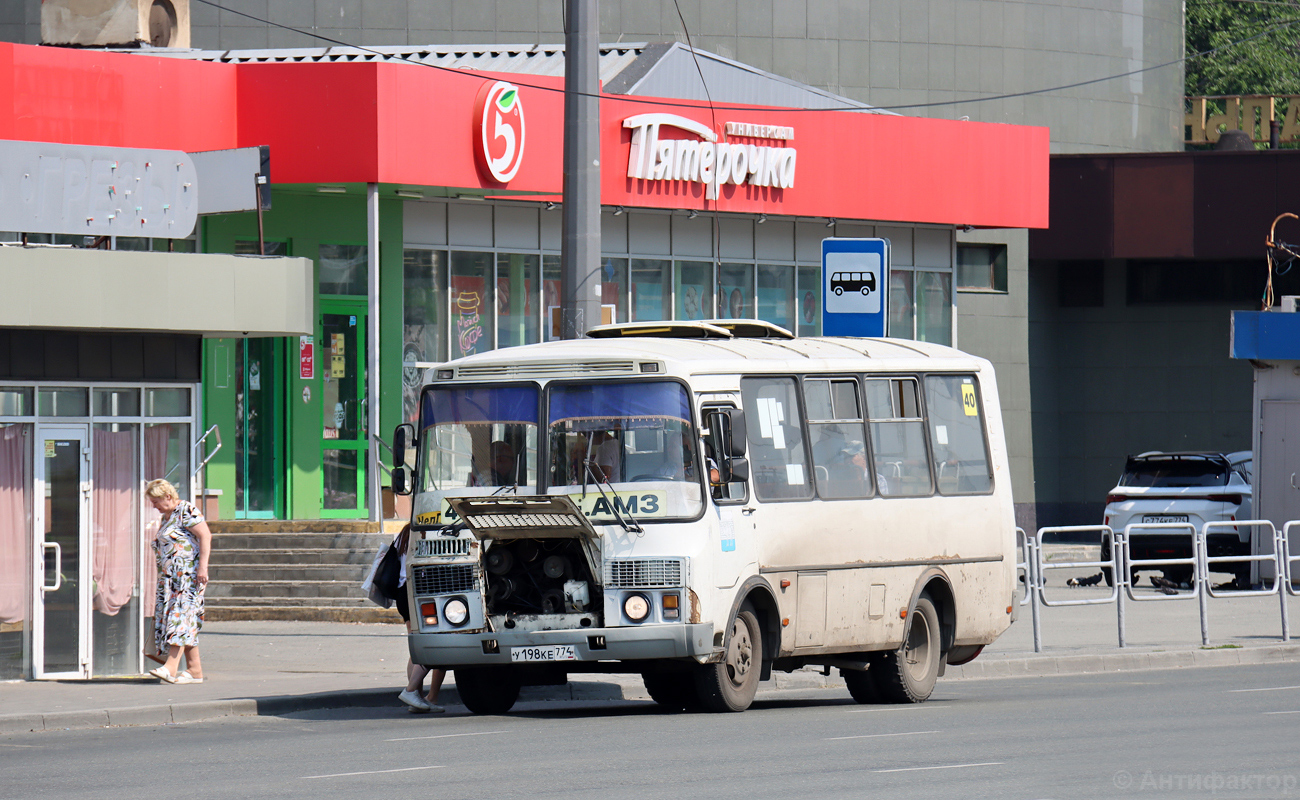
(587, 465)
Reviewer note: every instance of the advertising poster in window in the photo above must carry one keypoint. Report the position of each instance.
(469, 331)
(808, 302)
(648, 300)
(734, 301)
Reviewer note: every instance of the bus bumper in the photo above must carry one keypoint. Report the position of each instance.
(449, 650)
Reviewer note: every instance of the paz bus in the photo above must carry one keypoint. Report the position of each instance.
(705, 503)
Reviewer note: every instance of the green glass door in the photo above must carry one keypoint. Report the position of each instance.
(344, 417)
(258, 420)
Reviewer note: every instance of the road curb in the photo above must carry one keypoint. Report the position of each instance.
(279, 705)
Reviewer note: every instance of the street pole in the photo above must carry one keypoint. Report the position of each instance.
(580, 238)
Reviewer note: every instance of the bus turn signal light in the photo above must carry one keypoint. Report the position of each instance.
(430, 613)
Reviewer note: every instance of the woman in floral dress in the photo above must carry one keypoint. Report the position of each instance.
(182, 546)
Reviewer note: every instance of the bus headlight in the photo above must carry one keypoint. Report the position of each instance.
(636, 607)
(456, 611)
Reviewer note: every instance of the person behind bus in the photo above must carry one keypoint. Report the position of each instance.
(607, 453)
(502, 467)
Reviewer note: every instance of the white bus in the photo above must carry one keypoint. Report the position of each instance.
(703, 503)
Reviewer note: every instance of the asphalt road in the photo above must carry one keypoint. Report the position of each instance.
(1187, 733)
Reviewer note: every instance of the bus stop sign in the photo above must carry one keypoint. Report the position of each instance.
(855, 287)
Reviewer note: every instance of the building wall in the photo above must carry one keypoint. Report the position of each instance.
(995, 325)
(21, 22)
(900, 54)
(1117, 379)
(304, 222)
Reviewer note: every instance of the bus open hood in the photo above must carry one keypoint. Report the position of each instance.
(537, 517)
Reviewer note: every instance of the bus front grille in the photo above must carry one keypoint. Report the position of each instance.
(644, 573)
(442, 546)
(444, 579)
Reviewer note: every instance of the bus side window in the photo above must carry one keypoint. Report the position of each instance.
(778, 462)
(898, 437)
(961, 461)
(835, 427)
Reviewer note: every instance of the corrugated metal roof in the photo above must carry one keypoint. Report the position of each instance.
(662, 69)
(521, 59)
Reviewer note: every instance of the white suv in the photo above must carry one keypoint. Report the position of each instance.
(1195, 488)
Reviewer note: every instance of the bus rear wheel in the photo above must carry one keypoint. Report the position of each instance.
(487, 690)
(862, 685)
(908, 674)
(730, 684)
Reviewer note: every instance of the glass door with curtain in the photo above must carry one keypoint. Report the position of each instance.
(116, 547)
(62, 586)
(345, 417)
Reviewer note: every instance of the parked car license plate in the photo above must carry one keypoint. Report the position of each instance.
(1164, 517)
(552, 652)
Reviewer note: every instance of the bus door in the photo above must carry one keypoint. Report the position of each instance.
(730, 516)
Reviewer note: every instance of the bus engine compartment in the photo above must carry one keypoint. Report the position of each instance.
(540, 584)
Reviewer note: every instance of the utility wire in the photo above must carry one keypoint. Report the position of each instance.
(661, 103)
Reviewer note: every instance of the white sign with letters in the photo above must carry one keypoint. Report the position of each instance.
(97, 191)
(706, 160)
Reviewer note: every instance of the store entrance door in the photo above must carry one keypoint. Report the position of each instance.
(62, 609)
(345, 436)
(258, 420)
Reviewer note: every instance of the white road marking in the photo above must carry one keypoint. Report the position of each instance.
(444, 736)
(371, 772)
(876, 735)
(1282, 712)
(1265, 689)
(944, 766)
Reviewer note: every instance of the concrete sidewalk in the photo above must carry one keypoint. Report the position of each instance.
(273, 668)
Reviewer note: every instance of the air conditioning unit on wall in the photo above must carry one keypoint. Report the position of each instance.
(116, 23)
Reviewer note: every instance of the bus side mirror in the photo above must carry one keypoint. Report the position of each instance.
(727, 431)
(401, 479)
(402, 436)
(738, 469)
(401, 476)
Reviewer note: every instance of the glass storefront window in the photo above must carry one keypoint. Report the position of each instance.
(343, 268)
(901, 314)
(613, 287)
(16, 402)
(650, 289)
(118, 403)
(248, 247)
(424, 313)
(471, 303)
(736, 291)
(63, 403)
(694, 289)
(808, 299)
(344, 479)
(776, 294)
(517, 318)
(167, 455)
(167, 402)
(551, 298)
(934, 307)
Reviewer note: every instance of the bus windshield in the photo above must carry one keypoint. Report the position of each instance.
(623, 433)
(479, 436)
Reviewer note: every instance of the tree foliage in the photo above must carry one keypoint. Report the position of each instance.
(1267, 63)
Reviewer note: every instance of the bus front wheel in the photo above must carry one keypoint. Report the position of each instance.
(487, 690)
(908, 674)
(672, 690)
(730, 684)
